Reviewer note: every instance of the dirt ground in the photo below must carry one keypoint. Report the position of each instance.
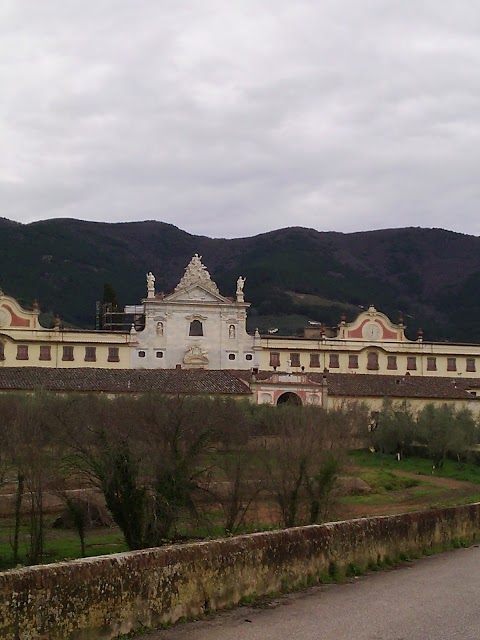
(449, 489)
(265, 511)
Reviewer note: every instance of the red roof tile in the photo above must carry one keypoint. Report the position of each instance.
(172, 381)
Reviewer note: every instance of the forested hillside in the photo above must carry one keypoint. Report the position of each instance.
(293, 275)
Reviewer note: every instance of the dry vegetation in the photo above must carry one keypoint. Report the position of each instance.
(130, 473)
(163, 466)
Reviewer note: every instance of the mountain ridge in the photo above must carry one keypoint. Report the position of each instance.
(432, 275)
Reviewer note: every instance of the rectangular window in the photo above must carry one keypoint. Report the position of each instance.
(334, 361)
(45, 352)
(353, 362)
(451, 364)
(196, 328)
(411, 363)
(274, 359)
(431, 363)
(471, 364)
(314, 360)
(90, 354)
(392, 363)
(372, 361)
(295, 359)
(67, 353)
(22, 352)
(2, 351)
(113, 355)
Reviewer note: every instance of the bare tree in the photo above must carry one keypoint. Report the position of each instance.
(32, 453)
(303, 454)
(320, 483)
(285, 459)
(236, 484)
(146, 456)
(100, 434)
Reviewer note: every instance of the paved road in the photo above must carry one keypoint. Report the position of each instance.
(435, 598)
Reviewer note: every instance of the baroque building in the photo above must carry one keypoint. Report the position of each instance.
(194, 326)
(194, 340)
(25, 343)
(371, 344)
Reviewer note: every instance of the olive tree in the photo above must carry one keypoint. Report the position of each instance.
(396, 427)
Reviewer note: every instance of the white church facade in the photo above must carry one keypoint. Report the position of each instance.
(194, 326)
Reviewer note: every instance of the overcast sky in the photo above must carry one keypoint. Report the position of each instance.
(233, 117)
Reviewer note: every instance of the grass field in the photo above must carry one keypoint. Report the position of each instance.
(422, 466)
(59, 544)
(409, 484)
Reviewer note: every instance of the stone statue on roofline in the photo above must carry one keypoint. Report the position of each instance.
(240, 285)
(150, 285)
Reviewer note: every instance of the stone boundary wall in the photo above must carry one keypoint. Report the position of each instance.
(106, 596)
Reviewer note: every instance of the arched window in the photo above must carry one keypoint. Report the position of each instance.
(372, 360)
(231, 331)
(196, 328)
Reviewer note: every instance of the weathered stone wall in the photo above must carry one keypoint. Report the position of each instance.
(103, 597)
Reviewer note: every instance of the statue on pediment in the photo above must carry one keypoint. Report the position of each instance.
(240, 285)
(197, 273)
(150, 285)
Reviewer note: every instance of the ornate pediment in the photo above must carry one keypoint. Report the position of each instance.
(197, 273)
(196, 293)
(13, 316)
(372, 326)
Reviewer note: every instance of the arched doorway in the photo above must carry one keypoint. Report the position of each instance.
(290, 398)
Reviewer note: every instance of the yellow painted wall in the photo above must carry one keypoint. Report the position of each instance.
(415, 404)
(101, 341)
(421, 351)
(21, 328)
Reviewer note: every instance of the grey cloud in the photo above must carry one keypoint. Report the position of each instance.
(230, 119)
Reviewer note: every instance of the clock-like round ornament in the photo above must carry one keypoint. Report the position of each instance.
(372, 331)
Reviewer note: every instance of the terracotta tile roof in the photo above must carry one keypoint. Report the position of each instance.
(173, 381)
(377, 385)
(199, 381)
(468, 383)
(358, 385)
